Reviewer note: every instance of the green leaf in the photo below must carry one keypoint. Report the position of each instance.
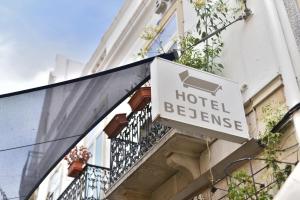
(220, 65)
(203, 35)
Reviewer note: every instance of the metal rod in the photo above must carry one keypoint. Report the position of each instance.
(252, 175)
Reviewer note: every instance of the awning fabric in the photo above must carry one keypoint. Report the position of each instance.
(54, 118)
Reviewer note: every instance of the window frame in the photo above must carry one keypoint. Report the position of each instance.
(175, 10)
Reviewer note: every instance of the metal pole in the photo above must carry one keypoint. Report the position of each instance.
(253, 181)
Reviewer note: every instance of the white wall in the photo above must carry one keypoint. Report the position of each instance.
(66, 69)
(248, 55)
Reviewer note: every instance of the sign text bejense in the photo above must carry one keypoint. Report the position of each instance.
(196, 101)
(197, 111)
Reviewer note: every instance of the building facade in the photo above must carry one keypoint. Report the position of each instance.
(260, 53)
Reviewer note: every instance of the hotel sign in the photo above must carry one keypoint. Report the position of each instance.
(197, 102)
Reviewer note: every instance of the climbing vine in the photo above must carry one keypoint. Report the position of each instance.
(212, 15)
(271, 140)
(241, 185)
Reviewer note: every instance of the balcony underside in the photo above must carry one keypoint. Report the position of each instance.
(152, 169)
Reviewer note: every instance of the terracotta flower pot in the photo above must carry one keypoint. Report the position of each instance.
(116, 125)
(75, 168)
(140, 99)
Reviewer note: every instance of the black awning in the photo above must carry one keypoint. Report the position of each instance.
(39, 126)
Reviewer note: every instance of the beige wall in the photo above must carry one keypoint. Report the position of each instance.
(255, 122)
(288, 139)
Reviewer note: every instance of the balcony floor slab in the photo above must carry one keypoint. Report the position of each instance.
(152, 169)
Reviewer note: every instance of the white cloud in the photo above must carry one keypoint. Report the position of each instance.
(24, 62)
(11, 86)
(6, 51)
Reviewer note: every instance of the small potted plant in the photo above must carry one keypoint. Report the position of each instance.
(116, 125)
(140, 99)
(77, 159)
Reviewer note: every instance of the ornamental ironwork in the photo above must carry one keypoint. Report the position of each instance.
(134, 141)
(126, 149)
(90, 184)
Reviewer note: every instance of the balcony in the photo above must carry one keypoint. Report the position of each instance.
(134, 141)
(90, 184)
(146, 150)
(139, 152)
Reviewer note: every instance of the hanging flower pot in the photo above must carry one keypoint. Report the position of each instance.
(75, 168)
(77, 159)
(116, 125)
(140, 99)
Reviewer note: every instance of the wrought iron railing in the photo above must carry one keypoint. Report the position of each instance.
(126, 149)
(90, 184)
(134, 141)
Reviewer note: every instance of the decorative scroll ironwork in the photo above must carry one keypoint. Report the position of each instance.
(126, 149)
(90, 184)
(134, 141)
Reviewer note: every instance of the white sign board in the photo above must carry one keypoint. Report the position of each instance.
(198, 102)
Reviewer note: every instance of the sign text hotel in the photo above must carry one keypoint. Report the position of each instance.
(198, 102)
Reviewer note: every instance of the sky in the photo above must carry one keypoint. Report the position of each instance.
(33, 32)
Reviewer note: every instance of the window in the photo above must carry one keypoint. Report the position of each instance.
(91, 149)
(96, 148)
(99, 150)
(165, 39)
